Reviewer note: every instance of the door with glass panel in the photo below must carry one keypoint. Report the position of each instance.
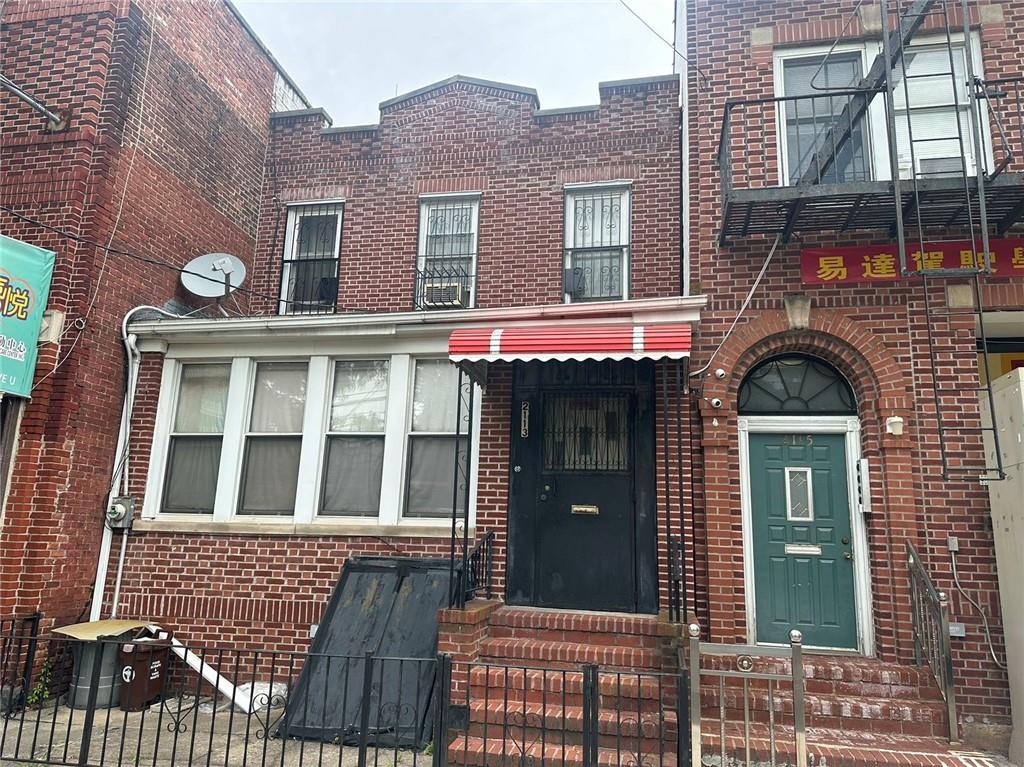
(581, 519)
(802, 539)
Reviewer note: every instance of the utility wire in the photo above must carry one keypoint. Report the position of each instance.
(667, 42)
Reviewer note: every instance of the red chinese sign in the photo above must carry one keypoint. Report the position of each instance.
(879, 263)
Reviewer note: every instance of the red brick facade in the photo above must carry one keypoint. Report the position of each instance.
(875, 336)
(163, 159)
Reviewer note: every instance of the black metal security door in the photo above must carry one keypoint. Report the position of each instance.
(581, 522)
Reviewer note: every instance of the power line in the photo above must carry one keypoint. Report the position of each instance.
(667, 42)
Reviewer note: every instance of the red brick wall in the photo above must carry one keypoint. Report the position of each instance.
(876, 336)
(157, 123)
(467, 138)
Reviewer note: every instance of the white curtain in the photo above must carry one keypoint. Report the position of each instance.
(202, 399)
(192, 475)
(271, 475)
(279, 398)
(435, 396)
(352, 476)
(431, 474)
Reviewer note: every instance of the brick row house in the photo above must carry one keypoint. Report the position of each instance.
(161, 158)
(673, 363)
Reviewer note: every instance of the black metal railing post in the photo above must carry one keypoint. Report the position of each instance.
(364, 709)
(683, 732)
(591, 707)
(32, 621)
(442, 702)
(90, 706)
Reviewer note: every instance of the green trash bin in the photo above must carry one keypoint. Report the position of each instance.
(88, 650)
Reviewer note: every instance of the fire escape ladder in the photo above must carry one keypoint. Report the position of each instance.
(873, 82)
(950, 296)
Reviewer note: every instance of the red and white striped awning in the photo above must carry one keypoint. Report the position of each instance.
(624, 341)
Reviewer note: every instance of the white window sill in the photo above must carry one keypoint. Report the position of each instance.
(347, 528)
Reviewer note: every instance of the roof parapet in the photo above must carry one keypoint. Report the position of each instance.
(519, 90)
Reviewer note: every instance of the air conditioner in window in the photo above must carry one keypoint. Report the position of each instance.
(942, 167)
(445, 295)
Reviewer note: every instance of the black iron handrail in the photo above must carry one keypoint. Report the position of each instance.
(18, 638)
(475, 573)
(929, 609)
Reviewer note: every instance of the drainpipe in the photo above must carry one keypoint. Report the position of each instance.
(681, 40)
(119, 476)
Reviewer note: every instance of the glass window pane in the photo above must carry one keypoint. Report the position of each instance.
(798, 495)
(597, 275)
(930, 82)
(202, 398)
(270, 475)
(316, 233)
(435, 396)
(191, 482)
(586, 433)
(431, 474)
(279, 398)
(360, 395)
(597, 219)
(311, 283)
(352, 476)
(449, 227)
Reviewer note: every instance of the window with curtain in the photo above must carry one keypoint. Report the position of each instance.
(809, 120)
(934, 111)
(597, 232)
(433, 437)
(190, 483)
(447, 251)
(354, 451)
(309, 272)
(270, 467)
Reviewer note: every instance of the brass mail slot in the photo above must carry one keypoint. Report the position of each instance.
(578, 508)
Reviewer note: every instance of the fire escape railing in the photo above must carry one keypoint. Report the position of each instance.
(929, 609)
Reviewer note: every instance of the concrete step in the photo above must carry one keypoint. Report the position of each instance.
(468, 750)
(619, 691)
(595, 623)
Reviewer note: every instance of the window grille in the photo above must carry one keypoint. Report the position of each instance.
(309, 272)
(597, 236)
(446, 260)
(588, 433)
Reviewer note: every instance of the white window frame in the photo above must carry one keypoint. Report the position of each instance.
(425, 200)
(570, 193)
(878, 145)
(312, 460)
(294, 211)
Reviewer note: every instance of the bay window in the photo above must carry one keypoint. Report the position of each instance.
(193, 453)
(322, 441)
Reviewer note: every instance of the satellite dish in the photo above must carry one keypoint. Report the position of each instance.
(213, 275)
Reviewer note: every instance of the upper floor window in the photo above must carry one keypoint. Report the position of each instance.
(309, 273)
(808, 120)
(597, 237)
(446, 254)
(933, 119)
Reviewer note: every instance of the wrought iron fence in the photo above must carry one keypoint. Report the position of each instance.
(747, 703)
(118, 702)
(445, 282)
(929, 609)
(17, 656)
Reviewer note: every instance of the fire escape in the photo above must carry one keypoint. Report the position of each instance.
(945, 179)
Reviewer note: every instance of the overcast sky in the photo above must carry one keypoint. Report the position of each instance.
(348, 56)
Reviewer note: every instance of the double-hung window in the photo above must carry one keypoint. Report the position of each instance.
(597, 235)
(309, 273)
(273, 443)
(435, 431)
(934, 112)
(354, 451)
(197, 435)
(446, 260)
(809, 119)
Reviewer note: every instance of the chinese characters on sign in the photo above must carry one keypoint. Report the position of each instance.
(874, 263)
(25, 273)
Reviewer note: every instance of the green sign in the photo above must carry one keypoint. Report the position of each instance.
(25, 273)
